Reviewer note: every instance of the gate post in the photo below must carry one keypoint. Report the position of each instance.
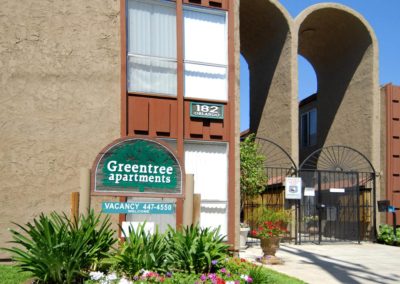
(319, 208)
(374, 229)
(358, 207)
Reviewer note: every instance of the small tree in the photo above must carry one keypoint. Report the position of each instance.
(252, 173)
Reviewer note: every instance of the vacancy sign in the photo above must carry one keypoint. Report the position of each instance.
(293, 188)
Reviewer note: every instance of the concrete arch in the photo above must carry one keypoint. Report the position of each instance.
(266, 40)
(343, 49)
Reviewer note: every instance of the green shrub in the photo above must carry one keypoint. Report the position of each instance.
(140, 250)
(259, 274)
(386, 235)
(194, 249)
(56, 250)
(253, 178)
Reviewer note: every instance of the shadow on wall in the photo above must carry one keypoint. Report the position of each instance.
(266, 39)
(339, 47)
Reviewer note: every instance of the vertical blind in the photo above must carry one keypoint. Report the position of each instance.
(209, 164)
(151, 47)
(205, 54)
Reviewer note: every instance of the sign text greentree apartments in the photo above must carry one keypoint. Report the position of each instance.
(120, 172)
(135, 165)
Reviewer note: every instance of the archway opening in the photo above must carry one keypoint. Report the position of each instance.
(244, 94)
(308, 84)
(339, 45)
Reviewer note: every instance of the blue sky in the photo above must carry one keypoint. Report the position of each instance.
(383, 16)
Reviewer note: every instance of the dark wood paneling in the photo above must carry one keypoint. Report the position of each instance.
(392, 146)
(156, 117)
(219, 4)
(205, 129)
(163, 111)
(138, 114)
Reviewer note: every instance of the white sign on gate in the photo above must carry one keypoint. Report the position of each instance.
(309, 191)
(293, 188)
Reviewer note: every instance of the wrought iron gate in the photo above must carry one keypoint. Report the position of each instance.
(278, 165)
(338, 200)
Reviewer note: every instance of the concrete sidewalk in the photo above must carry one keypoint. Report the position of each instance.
(336, 263)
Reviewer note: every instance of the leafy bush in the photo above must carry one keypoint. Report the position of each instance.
(57, 250)
(386, 235)
(253, 178)
(141, 250)
(194, 249)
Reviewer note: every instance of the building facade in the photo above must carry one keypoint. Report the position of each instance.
(78, 75)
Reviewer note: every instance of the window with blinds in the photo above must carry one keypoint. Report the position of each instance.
(205, 53)
(151, 45)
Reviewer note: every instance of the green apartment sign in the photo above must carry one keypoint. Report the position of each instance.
(140, 166)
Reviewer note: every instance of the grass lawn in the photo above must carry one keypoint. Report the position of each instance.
(279, 278)
(10, 274)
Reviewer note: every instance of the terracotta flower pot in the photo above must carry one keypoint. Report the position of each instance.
(270, 245)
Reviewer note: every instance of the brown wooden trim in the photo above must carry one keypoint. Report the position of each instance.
(205, 100)
(232, 124)
(149, 195)
(151, 96)
(180, 109)
(180, 76)
(179, 212)
(214, 4)
(139, 94)
(121, 218)
(123, 68)
(389, 140)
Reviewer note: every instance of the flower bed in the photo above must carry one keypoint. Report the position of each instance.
(230, 271)
(56, 250)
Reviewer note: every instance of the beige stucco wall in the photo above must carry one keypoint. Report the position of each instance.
(267, 45)
(237, 122)
(59, 100)
(343, 50)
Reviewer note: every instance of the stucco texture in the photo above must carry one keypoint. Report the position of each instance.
(342, 48)
(59, 100)
(266, 40)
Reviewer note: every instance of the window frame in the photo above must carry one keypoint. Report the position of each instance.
(129, 55)
(305, 133)
(211, 11)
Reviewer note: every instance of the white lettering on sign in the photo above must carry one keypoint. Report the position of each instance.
(140, 173)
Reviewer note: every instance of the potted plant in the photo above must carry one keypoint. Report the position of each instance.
(311, 223)
(271, 227)
(244, 232)
(253, 178)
